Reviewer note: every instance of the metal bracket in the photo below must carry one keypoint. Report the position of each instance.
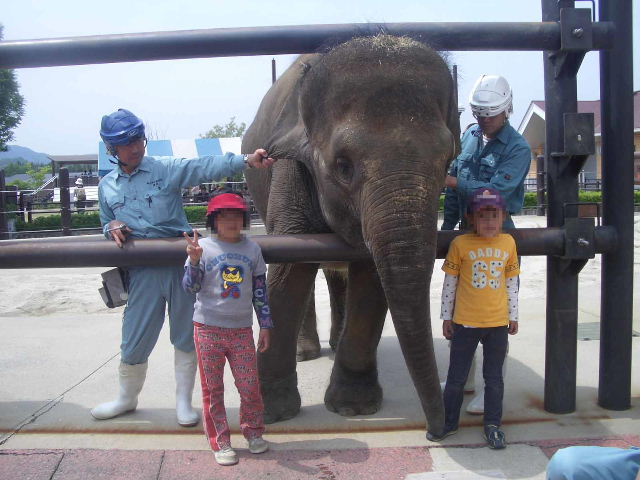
(579, 236)
(579, 140)
(576, 39)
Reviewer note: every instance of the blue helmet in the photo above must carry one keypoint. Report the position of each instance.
(120, 128)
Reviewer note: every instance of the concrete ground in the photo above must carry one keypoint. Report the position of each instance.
(55, 367)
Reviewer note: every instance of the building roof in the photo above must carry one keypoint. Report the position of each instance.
(74, 159)
(532, 126)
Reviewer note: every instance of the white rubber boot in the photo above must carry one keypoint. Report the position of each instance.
(476, 405)
(131, 379)
(186, 365)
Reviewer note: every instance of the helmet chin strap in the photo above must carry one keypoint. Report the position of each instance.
(119, 162)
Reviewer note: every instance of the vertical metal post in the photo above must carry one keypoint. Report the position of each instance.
(65, 201)
(616, 309)
(562, 187)
(4, 228)
(541, 183)
(273, 71)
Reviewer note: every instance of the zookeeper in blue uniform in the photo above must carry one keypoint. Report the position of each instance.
(493, 155)
(141, 198)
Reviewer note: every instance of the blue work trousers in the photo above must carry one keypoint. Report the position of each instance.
(463, 347)
(151, 290)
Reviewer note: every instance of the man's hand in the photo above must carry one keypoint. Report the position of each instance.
(194, 250)
(451, 182)
(118, 231)
(264, 339)
(260, 159)
(513, 327)
(447, 329)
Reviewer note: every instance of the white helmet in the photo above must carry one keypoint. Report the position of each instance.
(491, 95)
(79, 181)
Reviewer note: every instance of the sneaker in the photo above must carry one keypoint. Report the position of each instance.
(494, 437)
(448, 431)
(258, 445)
(226, 456)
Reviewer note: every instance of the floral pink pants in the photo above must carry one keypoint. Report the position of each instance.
(214, 345)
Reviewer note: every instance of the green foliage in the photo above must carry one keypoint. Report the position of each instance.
(21, 184)
(54, 222)
(231, 129)
(196, 214)
(11, 105)
(38, 174)
(16, 167)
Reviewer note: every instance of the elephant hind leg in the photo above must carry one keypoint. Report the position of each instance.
(308, 345)
(337, 284)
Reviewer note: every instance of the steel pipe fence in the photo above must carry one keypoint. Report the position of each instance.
(276, 40)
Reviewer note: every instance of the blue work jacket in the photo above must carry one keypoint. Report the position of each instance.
(149, 200)
(503, 164)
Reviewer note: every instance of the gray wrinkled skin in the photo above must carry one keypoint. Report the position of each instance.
(365, 133)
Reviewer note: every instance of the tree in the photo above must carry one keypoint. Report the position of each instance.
(231, 129)
(37, 174)
(11, 104)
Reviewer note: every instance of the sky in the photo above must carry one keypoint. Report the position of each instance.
(181, 99)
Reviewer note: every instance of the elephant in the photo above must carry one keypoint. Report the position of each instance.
(364, 133)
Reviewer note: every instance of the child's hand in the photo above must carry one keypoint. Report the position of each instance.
(264, 339)
(447, 329)
(513, 328)
(193, 249)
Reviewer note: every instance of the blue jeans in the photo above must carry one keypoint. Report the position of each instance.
(463, 347)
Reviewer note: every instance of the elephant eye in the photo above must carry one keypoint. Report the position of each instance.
(344, 169)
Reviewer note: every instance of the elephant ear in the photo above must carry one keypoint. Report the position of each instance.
(453, 123)
(289, 138)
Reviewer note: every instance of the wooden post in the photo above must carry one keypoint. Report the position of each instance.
(65, 201)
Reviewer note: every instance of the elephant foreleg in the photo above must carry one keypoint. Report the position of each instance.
(290, 286)
(354, 387)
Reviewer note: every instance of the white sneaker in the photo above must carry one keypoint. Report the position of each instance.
(258, 445)
(226, 456)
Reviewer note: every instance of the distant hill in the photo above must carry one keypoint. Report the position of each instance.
(16, 153)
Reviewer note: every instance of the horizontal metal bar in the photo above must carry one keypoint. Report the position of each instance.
(225, 42)
(95, 250)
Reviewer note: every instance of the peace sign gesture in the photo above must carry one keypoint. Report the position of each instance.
(193, 249)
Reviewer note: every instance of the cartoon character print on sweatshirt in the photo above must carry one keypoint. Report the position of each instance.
(232, 277)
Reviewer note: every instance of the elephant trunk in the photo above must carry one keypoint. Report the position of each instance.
(402, 241)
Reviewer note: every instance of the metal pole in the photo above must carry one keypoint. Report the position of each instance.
(4, 227)
(616, 93)
(65, 201)
(223, 42)
(95, 250)
(562, 187)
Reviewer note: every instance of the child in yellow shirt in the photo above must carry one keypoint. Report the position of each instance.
(479, 305)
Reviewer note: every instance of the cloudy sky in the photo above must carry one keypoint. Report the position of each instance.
(181, 99)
